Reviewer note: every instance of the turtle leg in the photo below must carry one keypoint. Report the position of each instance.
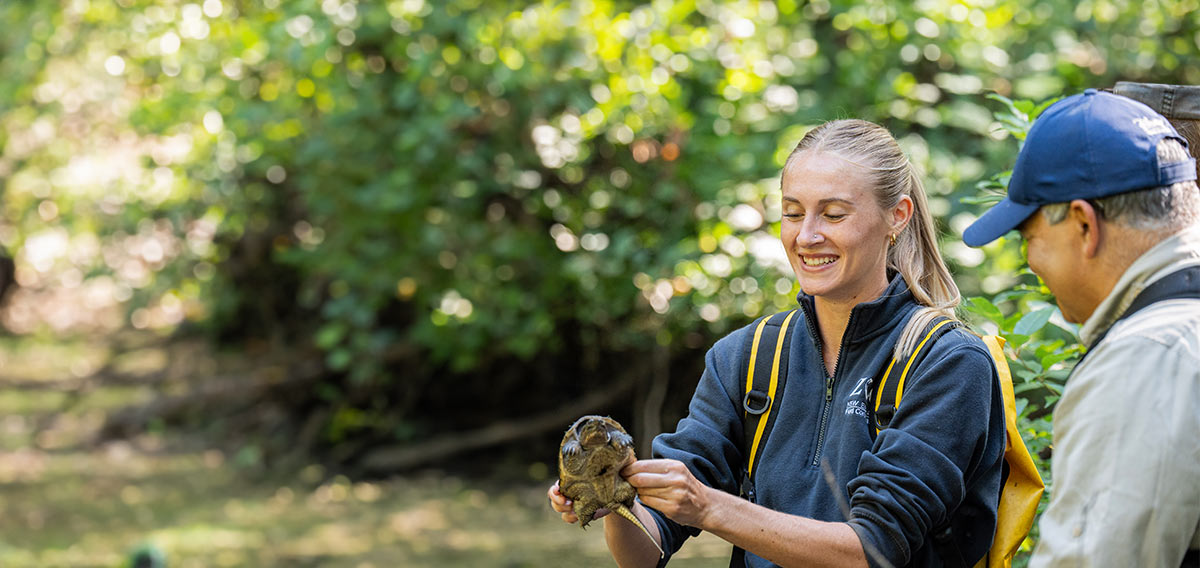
(586, 503)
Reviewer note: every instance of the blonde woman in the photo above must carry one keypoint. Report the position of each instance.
(828, 490)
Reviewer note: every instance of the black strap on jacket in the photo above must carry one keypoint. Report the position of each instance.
(1191, 559)
(893, 377)
(766, 356)
(1183, 283)
(888, 393)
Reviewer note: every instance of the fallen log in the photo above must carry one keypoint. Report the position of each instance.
(397, 458)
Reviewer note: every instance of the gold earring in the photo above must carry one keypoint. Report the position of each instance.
(892, 238)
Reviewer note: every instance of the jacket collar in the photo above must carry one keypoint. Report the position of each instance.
(1174, 253)
(870, 319)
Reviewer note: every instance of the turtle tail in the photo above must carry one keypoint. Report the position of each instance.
(621, 509)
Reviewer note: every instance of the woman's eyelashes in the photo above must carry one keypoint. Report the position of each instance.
(829, 216)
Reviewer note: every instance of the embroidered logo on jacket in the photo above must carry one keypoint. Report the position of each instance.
(858, 399)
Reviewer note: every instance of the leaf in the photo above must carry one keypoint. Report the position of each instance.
(330, 334)
(1032, 322)
(1016, 340)
(1025, 387)
(1037, 111)
(985, 308)
(990, 199)
(339, 359)
(1054, 358)
(1009, 103)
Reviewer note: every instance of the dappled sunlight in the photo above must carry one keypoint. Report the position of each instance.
(272, 258)
(330, 539)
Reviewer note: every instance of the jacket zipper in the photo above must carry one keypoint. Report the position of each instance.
(828, 384)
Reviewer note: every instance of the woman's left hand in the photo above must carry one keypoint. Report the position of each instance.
(669, 487)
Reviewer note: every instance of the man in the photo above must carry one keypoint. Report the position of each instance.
(1104, 195)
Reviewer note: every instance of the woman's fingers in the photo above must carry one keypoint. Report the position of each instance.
(561, 504)
(650, 474)
(670, 487)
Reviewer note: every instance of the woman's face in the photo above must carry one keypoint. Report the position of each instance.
(835, 234)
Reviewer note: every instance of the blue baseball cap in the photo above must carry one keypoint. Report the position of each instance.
(1086, 146)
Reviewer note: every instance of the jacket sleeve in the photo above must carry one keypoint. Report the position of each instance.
(947, 434)
(1126, 463)
(707, 440)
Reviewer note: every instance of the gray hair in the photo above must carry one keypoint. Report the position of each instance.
(1165, 208)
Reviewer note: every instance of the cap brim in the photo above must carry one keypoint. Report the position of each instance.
(1002, 218)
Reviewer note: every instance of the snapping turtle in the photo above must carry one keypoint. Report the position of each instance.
(593, 451)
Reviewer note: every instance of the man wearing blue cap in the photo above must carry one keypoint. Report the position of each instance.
(1104, 194)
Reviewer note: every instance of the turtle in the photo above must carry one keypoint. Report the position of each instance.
(590, 458)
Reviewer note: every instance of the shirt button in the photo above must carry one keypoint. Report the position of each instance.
(1078, 531)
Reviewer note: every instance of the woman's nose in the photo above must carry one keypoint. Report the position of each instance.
(810, 234)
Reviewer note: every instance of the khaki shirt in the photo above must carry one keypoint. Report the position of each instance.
(1126, 465)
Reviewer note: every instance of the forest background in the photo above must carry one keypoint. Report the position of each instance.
(322, 282)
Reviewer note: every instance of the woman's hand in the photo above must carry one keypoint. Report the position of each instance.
(566, 507)
(669, 487)
(561, 504)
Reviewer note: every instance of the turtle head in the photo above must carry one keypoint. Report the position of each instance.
(595, 431)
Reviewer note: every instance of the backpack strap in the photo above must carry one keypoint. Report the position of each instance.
(887, 400)
(891, 388)
(1183, 283)
(766, 375)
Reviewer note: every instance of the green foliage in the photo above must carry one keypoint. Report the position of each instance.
(1042, 347)
(458, 202)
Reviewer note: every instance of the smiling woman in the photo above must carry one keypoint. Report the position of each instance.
(828, 488)
(869, 218)
(835, 235)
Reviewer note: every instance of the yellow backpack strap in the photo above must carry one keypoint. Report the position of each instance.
(766, 374)
(891, 390)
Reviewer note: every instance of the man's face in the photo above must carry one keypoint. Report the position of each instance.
(1054, 254)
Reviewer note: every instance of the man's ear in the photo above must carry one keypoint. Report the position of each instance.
(1086, 222)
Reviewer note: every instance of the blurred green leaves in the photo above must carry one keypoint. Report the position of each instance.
(422, 189)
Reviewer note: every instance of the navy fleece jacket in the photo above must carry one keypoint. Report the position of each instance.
(939, 461)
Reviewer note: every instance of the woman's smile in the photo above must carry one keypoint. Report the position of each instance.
(835, 233)
(818, 261)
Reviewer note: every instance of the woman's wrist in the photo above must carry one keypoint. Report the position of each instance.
(718, 507)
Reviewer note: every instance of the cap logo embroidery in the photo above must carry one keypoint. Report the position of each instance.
(1153, 126)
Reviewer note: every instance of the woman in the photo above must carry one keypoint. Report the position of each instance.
(860, 239)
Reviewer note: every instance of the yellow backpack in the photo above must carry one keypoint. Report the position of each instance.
(1022, 485)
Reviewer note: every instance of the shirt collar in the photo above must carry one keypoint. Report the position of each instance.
(870, 318)
(1171, 254)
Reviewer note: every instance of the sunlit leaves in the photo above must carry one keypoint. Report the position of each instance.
(480, 180)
